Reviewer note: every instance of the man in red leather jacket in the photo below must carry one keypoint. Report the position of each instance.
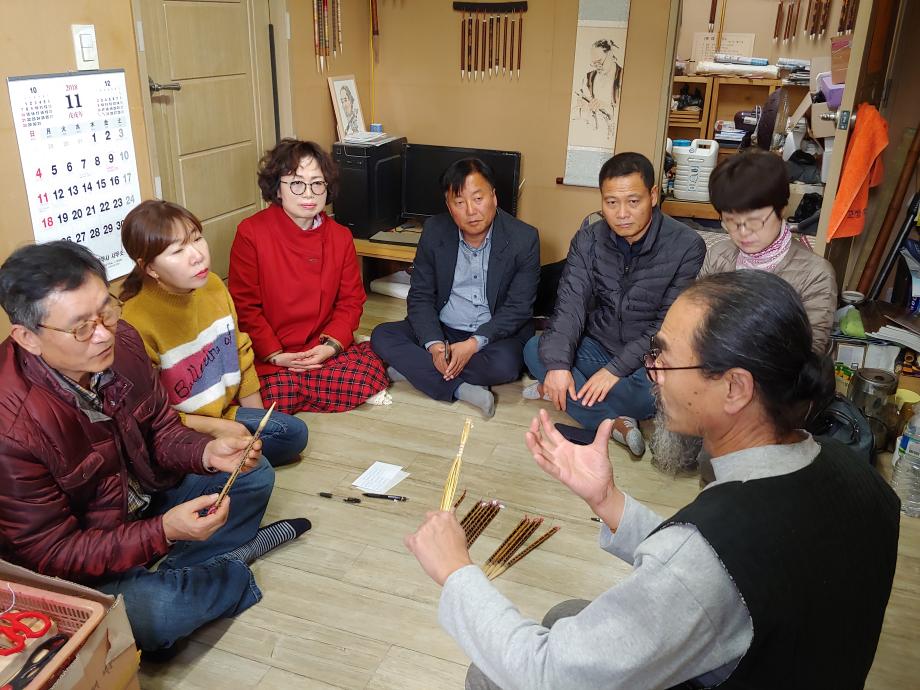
(99, 479)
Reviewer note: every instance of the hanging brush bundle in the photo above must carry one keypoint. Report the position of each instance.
(491, 39)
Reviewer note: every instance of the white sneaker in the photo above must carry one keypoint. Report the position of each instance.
(532, 392)
(380, 399)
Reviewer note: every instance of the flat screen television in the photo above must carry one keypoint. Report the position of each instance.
(423, 165)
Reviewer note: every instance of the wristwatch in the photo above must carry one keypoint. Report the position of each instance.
(331, 342)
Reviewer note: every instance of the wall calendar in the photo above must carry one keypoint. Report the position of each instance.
(77, 153)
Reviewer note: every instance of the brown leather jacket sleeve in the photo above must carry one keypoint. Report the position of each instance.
(36, 517)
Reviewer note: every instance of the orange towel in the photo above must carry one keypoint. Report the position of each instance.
(862, 168)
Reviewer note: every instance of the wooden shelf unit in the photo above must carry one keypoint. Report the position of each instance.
(382, 250)
(724, 96)
(678, 124)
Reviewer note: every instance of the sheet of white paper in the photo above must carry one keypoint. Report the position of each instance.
(881, 356)
(704, 45)
(380, 478)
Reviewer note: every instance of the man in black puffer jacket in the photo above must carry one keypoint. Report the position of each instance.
(621, 275)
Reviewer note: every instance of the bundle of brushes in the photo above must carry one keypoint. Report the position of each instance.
(450, 486)
(479, 517)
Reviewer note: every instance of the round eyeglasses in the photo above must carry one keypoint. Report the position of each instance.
(298, 187)
(751, 224)
(650, 360)
(82, 332)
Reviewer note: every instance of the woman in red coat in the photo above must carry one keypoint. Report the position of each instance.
(295, 281)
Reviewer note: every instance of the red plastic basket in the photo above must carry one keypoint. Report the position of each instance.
(74, 617)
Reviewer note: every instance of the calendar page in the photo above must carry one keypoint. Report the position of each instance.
(77, 153)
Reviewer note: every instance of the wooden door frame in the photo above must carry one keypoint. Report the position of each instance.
(259, 11)
(854, 67)
(281, 20)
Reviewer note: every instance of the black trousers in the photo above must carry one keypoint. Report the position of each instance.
(396, 344)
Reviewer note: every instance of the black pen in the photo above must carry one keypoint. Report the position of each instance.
(597, 519)
(347, 499)
(386, 496)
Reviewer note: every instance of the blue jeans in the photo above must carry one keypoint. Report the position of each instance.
(283, 438)
(630, 397)
(197, 582)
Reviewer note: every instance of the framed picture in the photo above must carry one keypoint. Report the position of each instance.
(349, 119)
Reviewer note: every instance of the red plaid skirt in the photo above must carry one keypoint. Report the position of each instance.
(343, 383)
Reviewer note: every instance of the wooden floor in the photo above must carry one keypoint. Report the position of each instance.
(346, 606)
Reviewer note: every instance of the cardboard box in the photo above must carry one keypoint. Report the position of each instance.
(840, 58)
(108, 659)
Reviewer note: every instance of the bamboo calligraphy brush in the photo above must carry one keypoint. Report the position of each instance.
(462, 44)
(239, 467)
(498, 42)
(450, 486)
(469, 47)
(459, 500)
(491, 43)
(520, 43)
(475, 26)
(483, 29)
(777, 27)
(511, 53)
(375, 31)
(338, 22)
(519, 535)
(502, 567)
(335, 29)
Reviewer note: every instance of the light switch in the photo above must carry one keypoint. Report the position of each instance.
(84, 46)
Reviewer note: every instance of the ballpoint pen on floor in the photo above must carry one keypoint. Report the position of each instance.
(388, 497)
(346, 499)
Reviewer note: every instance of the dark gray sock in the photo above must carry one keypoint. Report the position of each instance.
(480, 396)
(395, 375)
(270, 537)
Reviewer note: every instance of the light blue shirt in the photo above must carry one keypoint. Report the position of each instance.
(468, 306)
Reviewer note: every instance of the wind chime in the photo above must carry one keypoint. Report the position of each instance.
(491, 39)
(327, 31)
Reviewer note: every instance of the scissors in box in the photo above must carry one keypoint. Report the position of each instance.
(15, 627)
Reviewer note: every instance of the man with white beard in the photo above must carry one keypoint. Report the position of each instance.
(776, 576)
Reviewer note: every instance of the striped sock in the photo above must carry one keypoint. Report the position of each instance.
(270, 537)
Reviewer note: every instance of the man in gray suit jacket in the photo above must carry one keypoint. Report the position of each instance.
(471, 296)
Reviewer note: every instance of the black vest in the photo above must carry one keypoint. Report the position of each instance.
(813, 555)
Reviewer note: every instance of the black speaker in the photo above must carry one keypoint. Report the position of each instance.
(370, 185)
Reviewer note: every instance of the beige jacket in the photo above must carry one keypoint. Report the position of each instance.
(811, 275)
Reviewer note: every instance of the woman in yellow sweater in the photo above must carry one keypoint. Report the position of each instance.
(188, 323)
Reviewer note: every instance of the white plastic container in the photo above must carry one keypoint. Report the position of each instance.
(694, 164)
(905, 479)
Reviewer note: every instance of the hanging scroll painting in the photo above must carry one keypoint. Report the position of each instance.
(597, 82)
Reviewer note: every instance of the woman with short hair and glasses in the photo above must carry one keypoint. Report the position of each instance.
(295, 280)
(750, 191)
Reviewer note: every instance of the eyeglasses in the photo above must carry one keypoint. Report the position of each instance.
(651, 359)
(82, 332)
(751, 224)
(298, 187)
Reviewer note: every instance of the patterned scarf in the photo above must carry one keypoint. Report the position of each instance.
(767, 259)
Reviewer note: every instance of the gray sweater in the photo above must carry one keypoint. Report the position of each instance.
(677, 616)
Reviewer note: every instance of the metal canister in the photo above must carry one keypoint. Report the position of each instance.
(869, 390)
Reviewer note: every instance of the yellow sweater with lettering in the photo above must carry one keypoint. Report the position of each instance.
(206, 364)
